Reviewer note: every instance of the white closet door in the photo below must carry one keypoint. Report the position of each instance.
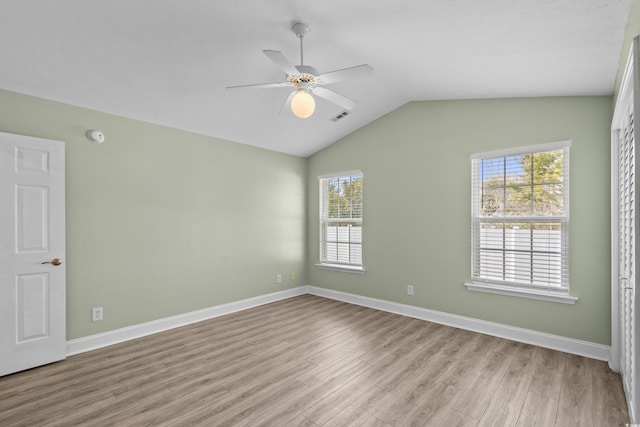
(626, 251)
(625, 235)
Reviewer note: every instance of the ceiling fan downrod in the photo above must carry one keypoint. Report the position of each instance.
(301, 29)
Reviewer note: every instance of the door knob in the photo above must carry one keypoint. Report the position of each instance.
(55, 261)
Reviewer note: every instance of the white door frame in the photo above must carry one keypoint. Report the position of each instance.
(629, 88)
(614, 357)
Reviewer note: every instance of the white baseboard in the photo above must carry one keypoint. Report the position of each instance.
(541, 339)
(528, 336)
(627, 394)
(116, 336)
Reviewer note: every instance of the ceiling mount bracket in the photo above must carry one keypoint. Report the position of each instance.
(300, 28)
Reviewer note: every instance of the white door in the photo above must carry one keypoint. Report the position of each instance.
(627, 214)
(625, 235)
(32, 250)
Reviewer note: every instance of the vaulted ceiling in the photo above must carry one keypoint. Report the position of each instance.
(168, 62)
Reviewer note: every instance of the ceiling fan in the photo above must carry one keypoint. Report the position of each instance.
(306, 80)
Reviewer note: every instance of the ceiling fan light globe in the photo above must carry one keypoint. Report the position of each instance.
(303, 105)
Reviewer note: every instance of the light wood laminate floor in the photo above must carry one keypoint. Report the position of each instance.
(311, 361)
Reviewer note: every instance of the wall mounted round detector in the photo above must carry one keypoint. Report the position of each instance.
(95, 136)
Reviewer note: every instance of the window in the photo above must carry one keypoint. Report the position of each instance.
(520, 222)
(341, 221)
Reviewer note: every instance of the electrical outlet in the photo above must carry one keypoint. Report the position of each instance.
(279, 278)
(409, 289)
(293, 275)
(96, 314)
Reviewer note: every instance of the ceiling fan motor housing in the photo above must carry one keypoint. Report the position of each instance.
(307, 69)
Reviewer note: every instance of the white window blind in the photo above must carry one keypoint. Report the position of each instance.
(520, 218)
(341, 220)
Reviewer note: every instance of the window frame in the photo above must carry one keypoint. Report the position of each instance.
(528, 290)
(323, 181)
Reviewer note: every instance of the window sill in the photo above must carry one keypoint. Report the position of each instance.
(343, 268)
(563, 298)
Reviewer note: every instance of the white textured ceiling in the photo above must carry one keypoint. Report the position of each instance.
(168, 61)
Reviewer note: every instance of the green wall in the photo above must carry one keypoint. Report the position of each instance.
(162, 222)
(417, 227)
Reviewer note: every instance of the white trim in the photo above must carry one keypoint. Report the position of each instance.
(514, 291)
(358, 269)
(614, 360)
(339, 174)
(627, 395)
(626, 90)
(550, 146)
(93, 342)
(528, 336)
(541, 339)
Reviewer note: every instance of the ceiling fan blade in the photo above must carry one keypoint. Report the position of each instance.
(287, 102)
(258, 86)
(283, 63)
(346, 73)
(335, 98)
